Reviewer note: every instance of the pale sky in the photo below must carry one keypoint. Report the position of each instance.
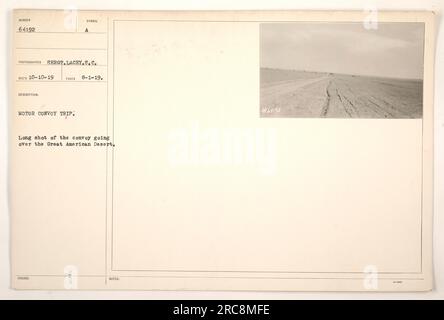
(392, 50)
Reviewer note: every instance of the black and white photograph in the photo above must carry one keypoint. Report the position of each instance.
(341, 70)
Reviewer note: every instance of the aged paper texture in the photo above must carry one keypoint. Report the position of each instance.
(281, 150)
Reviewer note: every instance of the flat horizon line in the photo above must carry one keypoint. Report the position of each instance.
(346, 74)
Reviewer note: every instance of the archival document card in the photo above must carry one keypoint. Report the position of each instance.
(245, 150)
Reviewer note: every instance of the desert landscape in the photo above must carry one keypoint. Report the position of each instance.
(291, 93)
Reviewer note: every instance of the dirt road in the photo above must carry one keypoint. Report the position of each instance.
(287, 93)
